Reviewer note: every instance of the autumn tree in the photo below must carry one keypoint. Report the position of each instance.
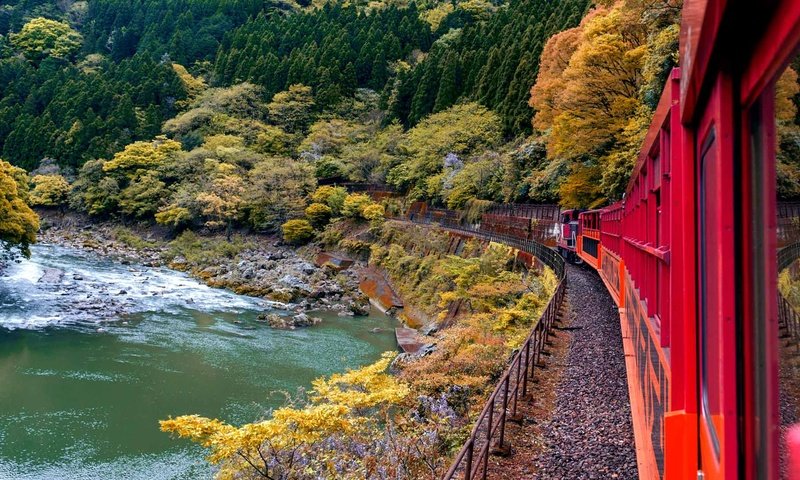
(462, 130)
(222, 202)
(142, 156)
(342, 407)
(143, 197)
(595, 89)
(49, 190)
(18, 223)
(292, 109)
(788, 130)
(276, 191)
(42, 37)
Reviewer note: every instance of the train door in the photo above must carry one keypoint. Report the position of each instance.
(716, 315)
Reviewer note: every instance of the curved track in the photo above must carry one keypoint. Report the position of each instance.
(590, 433)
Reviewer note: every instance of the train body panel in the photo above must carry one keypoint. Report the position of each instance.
(689, 255)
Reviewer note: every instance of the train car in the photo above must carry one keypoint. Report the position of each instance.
(587, 245)
(567, 241)
(690, 254)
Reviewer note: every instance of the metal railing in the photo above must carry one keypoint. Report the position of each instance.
(488, 433)
(787, 255)
(789, 321)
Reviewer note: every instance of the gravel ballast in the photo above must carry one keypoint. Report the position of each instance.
(590, 434)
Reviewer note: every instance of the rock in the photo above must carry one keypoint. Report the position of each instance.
(345, 313)
(102, 330)
(122, 292)
(294, 282)
(430, 329)
(299, 320)
(361, 308)
(376, 330)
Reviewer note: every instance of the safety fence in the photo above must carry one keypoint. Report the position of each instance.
(488, 434)
(787, 256)
(788, 316)
(789, 321)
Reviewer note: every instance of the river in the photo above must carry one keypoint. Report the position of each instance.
(81, 400)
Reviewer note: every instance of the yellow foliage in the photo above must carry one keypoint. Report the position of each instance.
(364, 388)
(297, 231)
(49, 190)
(142, 155)
(18, 223)
(194, 86)
(595, 92)
(318, 214)
(373, 212)
(333, 409)
(435, 15)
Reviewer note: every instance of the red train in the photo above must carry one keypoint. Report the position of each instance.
(690, 258)
(690, 254)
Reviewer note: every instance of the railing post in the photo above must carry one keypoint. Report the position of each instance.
(468, 466)
(501, 449)
(490, 420)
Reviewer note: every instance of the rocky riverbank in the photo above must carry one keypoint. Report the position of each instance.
(255, 265)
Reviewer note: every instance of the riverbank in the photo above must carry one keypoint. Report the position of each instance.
(251, 264)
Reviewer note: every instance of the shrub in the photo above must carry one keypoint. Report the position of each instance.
(205, 251)
(331, 196)
(374, 211)
(131, 239)
(49, 190)
(318, 214)
(354, 205)
(332, 234)
(297, 231)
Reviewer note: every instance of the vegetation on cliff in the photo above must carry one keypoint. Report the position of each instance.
(369, 424)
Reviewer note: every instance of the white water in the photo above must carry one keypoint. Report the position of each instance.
(90, 291)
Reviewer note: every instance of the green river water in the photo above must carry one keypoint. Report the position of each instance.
(78, 403)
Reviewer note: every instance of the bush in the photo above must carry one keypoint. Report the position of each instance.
(49, 190)
(373, 212)
(354, 205)
(331, 196)
(205, 251)
(318, 214)
(131, 239)
(297, 231)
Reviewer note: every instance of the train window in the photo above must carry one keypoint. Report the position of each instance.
(709, 304)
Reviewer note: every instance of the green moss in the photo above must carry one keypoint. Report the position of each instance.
(128, 238)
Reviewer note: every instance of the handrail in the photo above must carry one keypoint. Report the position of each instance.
(787, 255)
(472, 460)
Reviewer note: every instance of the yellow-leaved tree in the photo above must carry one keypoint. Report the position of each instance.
(142, 156)
(49, 190)
(288, 444)
(596, 90)
(18, 223)
(222, 202)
